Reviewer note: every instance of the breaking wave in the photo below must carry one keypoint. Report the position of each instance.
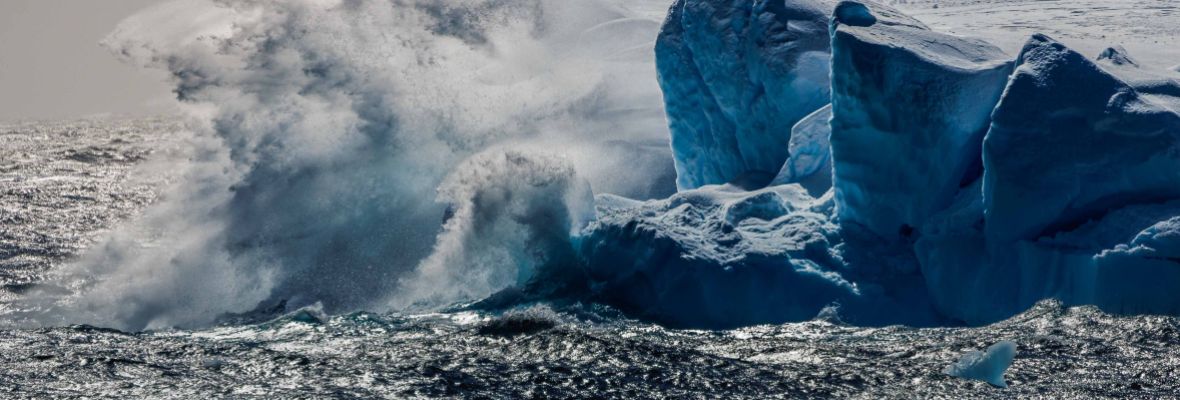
(322, 129)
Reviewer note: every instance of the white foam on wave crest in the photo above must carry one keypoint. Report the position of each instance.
(512, 214)
(323, 127)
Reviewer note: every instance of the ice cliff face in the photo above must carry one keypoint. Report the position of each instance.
(1071, 140)
(965, 185)
(1080, 173)
(716, 256)
(720, 257)
(737, 76)
(910, 108)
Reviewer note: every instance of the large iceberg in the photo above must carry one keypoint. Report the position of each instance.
(737, 76)
(1071, 141)
(1078, 196)
(966, 186)
(909, 110)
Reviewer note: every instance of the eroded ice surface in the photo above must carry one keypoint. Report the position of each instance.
(810, 163)
(1071, 141)
(1072, 198)
(736, 77)
(720, 256)
(909, 109)
(1079, 170)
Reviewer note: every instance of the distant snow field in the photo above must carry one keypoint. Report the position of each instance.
(1148, 29)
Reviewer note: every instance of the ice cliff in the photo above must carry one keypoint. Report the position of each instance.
(1071, 140)
(947, 181)
(1080, 173)
(910, 107)
(737, 76)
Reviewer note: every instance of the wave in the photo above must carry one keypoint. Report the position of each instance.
(322, 128)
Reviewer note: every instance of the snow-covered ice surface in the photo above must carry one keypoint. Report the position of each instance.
(1094, 141)
(1144, 27)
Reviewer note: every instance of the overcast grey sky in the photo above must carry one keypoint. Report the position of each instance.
(51, 65)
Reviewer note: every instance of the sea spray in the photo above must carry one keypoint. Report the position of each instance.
(512, 213)
(321, 130)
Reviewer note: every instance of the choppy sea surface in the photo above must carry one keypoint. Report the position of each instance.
(584, 353)
(63, 183)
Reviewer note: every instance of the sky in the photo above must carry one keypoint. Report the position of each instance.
(51, 65)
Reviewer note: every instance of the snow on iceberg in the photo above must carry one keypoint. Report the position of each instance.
(737, 76)
(988, 366)
(1070, 141)
(1159, 87)
(910, 108)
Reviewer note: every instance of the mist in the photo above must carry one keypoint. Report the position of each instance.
(321, 130)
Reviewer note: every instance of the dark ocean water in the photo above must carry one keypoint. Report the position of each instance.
(586, 353)
(63, 183)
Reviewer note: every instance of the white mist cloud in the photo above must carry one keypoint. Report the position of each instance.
(512, 213)
(322, 129)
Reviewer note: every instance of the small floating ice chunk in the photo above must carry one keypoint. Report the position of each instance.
(987, 366)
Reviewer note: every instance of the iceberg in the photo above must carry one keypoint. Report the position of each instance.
(736, 77)
(944, 184)
(988, 366)
(1076, 199)
(910, 108)
(1070, 141)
